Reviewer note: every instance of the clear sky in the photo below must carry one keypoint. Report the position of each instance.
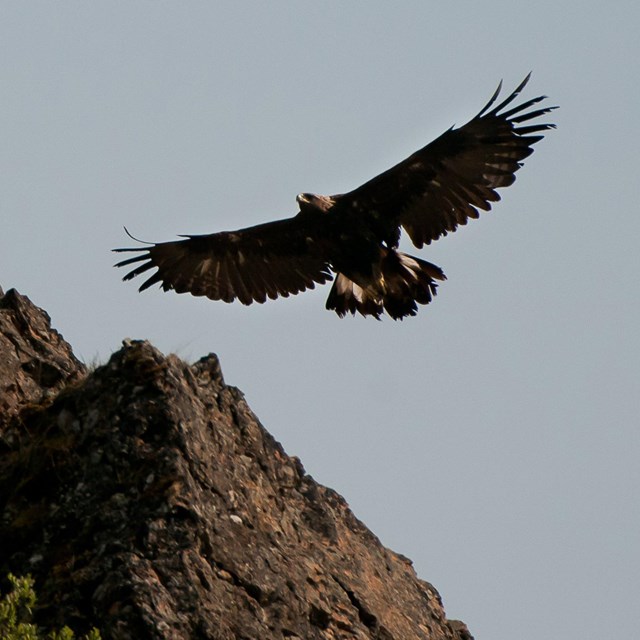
(494, 438)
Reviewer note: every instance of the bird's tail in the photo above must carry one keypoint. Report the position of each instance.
(403, 282)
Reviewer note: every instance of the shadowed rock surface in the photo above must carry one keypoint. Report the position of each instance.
(147, 499)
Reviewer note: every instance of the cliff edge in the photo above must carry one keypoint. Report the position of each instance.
(146, 499)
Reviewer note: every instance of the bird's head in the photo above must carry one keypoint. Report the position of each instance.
(311, 201)
(305, 199)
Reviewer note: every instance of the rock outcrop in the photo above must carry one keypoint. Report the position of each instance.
(146, 499)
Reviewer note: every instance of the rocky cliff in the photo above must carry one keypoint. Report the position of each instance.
(146, 498)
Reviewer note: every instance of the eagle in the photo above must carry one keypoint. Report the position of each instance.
(354, 236)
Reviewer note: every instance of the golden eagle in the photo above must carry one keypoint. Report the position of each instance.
(355, 235)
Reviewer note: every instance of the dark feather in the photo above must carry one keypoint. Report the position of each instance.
(355, 235)
(443, 184)
(247, 265)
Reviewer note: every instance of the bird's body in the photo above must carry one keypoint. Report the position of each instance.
(356, 235)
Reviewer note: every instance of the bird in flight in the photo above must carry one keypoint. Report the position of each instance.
(355, 235)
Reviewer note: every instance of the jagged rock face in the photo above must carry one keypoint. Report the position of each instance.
(147, 499)
(35, 361)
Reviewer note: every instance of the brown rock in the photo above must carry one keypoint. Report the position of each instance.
(35, 361)
(147, 499)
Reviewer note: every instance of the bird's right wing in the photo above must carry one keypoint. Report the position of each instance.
(447, 182)
(269, 260)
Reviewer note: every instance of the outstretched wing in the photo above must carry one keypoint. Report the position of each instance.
(445, 183)
(269, 260)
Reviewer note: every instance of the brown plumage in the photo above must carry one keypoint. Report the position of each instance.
(355, 235)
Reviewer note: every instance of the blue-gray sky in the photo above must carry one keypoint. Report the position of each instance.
(493, 438)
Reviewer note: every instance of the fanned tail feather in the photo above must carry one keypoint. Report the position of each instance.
(404, 283)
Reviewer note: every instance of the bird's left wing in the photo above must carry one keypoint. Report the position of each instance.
(269, 260)
(449, 180)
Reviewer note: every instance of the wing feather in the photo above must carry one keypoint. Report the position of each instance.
(267, 260)
(453, 178)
